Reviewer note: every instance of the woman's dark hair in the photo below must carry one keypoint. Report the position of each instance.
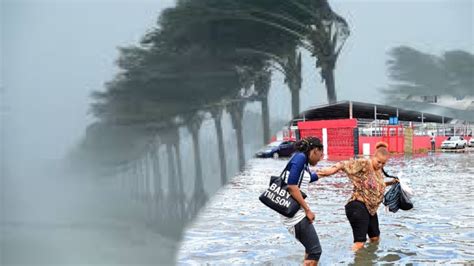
(307, 144)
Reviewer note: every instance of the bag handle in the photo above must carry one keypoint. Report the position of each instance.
(387, 175)
(286, 167)
(302, 174)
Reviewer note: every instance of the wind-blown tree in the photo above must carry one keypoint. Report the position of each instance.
(99, 147)
(273, 28)
(141, 97)
(147, 90)
(196, 32)
(316, 28)
(327, 36)
(203, 54)
(415, 73)
(460, 68)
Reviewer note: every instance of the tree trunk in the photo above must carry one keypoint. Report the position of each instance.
(328, 76)
(199, 197)
(157, 185)
(138, 180)
(240, 147)
(236, 113)
(220, 141)
(147, 182)
(179, 175)
(295, 101)
(262, 86)
(179, 178)
(136, 174)
(199, 184)
(171, 169)
(265, 120)
(155, 158)
(178, 160)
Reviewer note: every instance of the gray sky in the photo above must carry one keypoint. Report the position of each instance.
(54, 53)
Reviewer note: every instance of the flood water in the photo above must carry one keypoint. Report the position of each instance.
(235, 227)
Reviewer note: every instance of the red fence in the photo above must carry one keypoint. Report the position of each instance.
(341, 141)
(340, 137)
(340, 134)
(394, 137)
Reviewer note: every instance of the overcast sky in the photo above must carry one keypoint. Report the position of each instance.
(431, 26)
(54, 53)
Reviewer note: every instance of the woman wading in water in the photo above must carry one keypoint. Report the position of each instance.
(369, 187)
(309, 152)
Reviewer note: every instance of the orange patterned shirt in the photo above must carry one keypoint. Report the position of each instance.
(369, 185)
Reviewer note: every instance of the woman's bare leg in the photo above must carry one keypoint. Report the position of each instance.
(375, 239)
(357, 246)
(309, 262)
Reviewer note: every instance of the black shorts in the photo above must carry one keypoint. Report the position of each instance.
(306, 234)
(362, 222)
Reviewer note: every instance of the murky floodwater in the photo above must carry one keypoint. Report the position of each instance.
(236, 228)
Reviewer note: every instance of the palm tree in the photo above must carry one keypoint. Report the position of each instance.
(327, 36)
(190, 62)
(262, 87)
(199, 198)
(236, 110)
(216, 113)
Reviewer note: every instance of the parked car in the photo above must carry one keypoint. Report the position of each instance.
(471, 142)
(454, 142)
(277, 149)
